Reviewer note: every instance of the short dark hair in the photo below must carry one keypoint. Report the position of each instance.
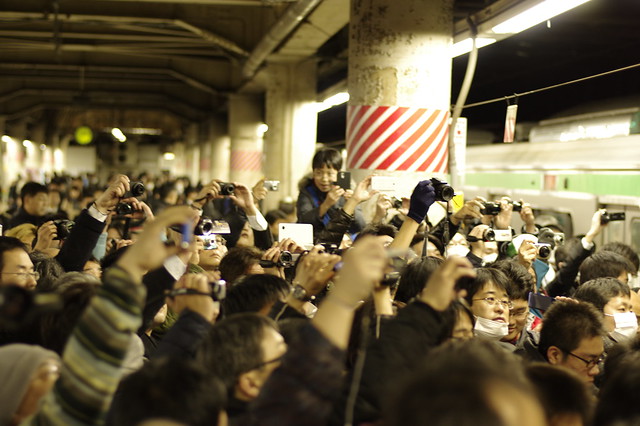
(419, 237)
(169, 388)
(414, 277)
(561, 391)
(272, 215)
(327, 157)
(599, 291)
(626, 251)
(32, 188)
(522, 282)
(234, 346)
(604, 264)
(8, 244)
(567, 323)
(484, 276)
(563, 252)
(237, 261)
(253, 292)
(617, 399)
(378, 229)
(450, 319)
(455, 386)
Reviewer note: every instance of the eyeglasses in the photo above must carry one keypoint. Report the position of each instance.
(491, 301)
(589, 363)
(25, 275)
(265, 363)
(320, 174)
(520, 313)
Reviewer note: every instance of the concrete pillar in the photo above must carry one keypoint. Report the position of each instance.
(220, 143)
(245, 118)
(399, 85)
(292, 120)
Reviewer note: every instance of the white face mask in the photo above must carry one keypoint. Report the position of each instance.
(457, 250)
(626, 326)
(490, 329)
(490, 258)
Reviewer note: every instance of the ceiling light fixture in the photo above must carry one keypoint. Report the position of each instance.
(117, 133)
(535, 15)
(331, 101)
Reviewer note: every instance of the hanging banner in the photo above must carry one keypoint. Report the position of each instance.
(510, 123)
(396, 138)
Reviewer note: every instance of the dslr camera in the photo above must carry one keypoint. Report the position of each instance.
(63, 228)
(444, 191)
(607, 217)
(123, 209)
(544, 250)
(490, 208)
(488, 235)
(286, 260)
(136, 189)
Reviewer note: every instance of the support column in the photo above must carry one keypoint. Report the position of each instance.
(399, 85)
(220, 149)
(245, 118)
(292, 120)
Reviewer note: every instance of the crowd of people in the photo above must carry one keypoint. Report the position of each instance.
(158, 302)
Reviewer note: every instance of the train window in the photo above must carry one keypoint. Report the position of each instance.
(614, 231)
(635, 234)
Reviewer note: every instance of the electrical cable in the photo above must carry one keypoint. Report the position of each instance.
(542, 89)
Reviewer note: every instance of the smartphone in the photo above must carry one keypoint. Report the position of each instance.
(344, 180)
(301, 233)
(383, 183)
(540, 301)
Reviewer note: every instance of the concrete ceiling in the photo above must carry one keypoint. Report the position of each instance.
(157, 63)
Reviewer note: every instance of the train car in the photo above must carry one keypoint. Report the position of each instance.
(587, 162)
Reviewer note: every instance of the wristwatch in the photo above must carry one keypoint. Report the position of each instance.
(300, 293)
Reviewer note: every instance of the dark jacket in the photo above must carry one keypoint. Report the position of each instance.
(403, 343)
(78, 247)
(22, 216)
(564, 282)
(336, 228)
(308, 206)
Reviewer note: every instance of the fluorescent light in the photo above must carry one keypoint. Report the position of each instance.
(534, 15)
(262, 129)
(169, 156)
(117, 133)
(27, 143)
(6, 139)
(464, 46)
(331, 101)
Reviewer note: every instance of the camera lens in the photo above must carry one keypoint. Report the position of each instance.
(227, 188)
(286, 257)
(137, 189)
(544, 252)
(124, 209)
(489, 235)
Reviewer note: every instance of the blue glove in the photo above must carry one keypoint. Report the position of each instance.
(421, 199)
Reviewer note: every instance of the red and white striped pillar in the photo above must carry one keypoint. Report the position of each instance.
(245, 118)
(399, 86)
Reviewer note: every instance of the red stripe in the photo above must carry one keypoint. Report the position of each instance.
(410, 141)
(368, 123)
(356, 115)
(414, 157)
(390, 140)
(433, 155)
(395, 116)
(443, 164)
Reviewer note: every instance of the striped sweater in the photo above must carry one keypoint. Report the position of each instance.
(92, 360)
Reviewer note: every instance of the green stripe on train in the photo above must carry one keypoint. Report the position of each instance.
(592, 183)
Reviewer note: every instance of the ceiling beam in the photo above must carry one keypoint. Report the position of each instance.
(218, 40)
(117, 71)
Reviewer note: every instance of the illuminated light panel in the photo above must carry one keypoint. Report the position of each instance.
(536, 14)
(331, 101)
(6, 139)
(262, 129)
(27, 143)
(464, 46)
(169, 156)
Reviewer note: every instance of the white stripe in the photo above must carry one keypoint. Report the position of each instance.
(442, 150)
(374, 126)
(430, 149)
(401, 139)
(385, 134)
(359, 124)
